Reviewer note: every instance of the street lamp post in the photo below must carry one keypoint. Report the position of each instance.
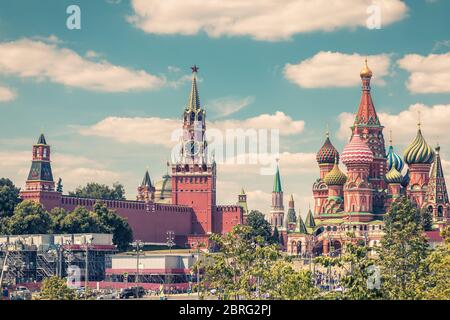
(170, 240)
(138, 245)
(86, 271)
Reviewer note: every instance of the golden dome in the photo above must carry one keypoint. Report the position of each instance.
(335, 177)
(365, 72)
(394, 176)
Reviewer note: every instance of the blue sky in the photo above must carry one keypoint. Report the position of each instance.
(243, 66)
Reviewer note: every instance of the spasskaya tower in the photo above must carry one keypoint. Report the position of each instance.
(193, 175)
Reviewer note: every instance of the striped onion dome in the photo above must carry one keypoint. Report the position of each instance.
(418, 151)
(335, 177)
(406, 179)
(327, 153)
(357, 152)
(394, 176)
(393, 159)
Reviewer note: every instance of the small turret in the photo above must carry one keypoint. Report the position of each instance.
(146, 191)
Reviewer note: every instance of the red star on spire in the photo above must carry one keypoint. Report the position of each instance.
(194, 68)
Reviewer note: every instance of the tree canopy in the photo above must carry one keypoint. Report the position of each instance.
(29, 218)
(9, 197)
(248, 268)
(54, 288)
(95, 190)
(403, 252)
(259, 226)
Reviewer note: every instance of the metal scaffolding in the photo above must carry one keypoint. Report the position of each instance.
(23, 263)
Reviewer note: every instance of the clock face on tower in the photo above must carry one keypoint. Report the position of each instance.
(191, 148)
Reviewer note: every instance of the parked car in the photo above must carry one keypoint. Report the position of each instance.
(108, 296)
(21, 293)
(133, 292)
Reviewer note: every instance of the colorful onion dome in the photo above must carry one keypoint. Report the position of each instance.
(327, 153)
(357, 152)
(335, 177)
(393, 159)
(406, 179)
(365, 72)
(418, 151)
(394, 176)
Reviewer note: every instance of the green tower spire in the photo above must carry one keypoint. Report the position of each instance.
(301, 226)
(146, 182)
(41, 140)
(277, 181)
(309, 221)
(194, 98)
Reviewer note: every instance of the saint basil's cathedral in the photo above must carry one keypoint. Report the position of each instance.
(183, 203)
(356, 201)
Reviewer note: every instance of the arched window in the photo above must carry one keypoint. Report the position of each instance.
(440, 211)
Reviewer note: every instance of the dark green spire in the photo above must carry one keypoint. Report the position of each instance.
(146, 182)
(309, 221)
(301, 226)
(41, 139)
(277, 181)
(194, 99)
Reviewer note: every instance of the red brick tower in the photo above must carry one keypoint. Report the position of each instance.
(193, 176)
(40, 186)
(368, 126)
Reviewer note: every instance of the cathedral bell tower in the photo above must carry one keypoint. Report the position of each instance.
(367, 126)
(193, 175)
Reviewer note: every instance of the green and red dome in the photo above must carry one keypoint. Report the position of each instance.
(328, 153)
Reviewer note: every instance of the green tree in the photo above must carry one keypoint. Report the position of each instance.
(9, 197)
(357, 270)
(95, 190)
(282, 282)
(99, 220)
(249, 268)
(29, 218)
(80, 220)
(403, 252)
(275, 235)
(111, 222)
(438, 281)
(427, 219)
(54, 288)
(259, 226)
(57, 215)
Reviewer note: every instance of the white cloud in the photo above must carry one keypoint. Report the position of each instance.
(152, 130)
(7, 94)
(335, 69)
(290, 163)
(158, 131)
(265, 20)
(434, 124)
(226, 106)
(46, 61)
(428, 74)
